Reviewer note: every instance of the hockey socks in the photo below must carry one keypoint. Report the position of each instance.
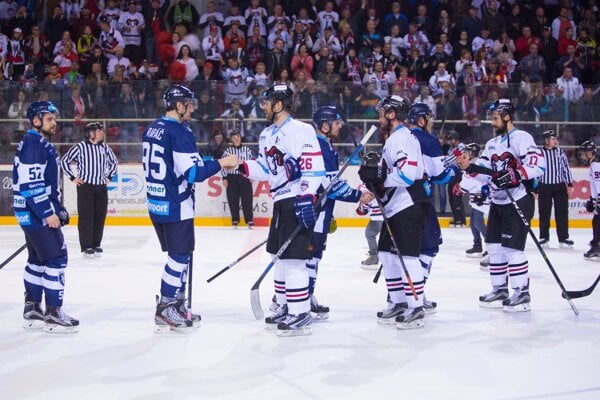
(174, 274)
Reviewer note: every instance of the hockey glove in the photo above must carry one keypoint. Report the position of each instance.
(332, 225)
(590, 205)
(456, 190)
(373, 174)
(506, 179)
(305, 210)
(63, 216)
(292, 168)
(243, 169)
(478, 199)
(450, 159)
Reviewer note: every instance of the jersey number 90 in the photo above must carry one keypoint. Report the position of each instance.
(154, 164)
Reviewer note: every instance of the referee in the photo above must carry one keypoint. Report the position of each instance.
(96, 165)
(555, 186)
(238, 187)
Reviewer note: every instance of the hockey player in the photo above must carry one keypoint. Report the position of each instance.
(480, 206)
(399, 180)
(419, 118)
(587, 153)
(172, 166)
(328, 123)
(511, 158)
(40, 215)
(290, 158)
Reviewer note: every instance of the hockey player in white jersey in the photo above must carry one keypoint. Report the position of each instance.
(511, 158)
(399, 181)
(172, 166)
(290, 158)
(588, 154)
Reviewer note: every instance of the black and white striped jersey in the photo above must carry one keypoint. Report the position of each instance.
(557, 167)
(242, 152)
(95, 163)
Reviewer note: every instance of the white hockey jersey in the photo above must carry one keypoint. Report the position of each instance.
(293, 139)
(473, 186)
(404, 159)
(595, 179)
(518, 150)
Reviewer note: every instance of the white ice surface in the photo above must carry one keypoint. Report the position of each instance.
(463, 352)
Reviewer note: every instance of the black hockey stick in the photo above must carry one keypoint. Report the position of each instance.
(13, 255)
(542, 252)
(254, 291)
(388, 227)
(240, 258)
(189, 300)
(575, 294)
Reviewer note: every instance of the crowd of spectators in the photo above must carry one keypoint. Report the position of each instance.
(112, 59)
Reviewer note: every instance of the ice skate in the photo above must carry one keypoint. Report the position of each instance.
(319, 311)
(279, 315)
(518, 302)
(544, 243)
(476, 251)
(593, 254)
(98, 252)
(387, 316)
(168, 318)
(33, 316)
(495, 298)
(274, 306)
(429, 307)
(371, 262)
(250, 225)
(295, 325)
(566, 244)
(88, 253)
(59, 322)
(181, 307)
(485, 261)
(456, 224)
(411, 318)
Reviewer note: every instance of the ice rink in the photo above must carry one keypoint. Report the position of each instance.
(463, 352)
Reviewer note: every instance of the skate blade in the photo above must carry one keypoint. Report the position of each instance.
(165, 329)
(492, 305)
(320, 316)
(302, 331)
(52, 328)
(592, 258)
(429, 311)
(270, 327)
(370, 267)
(474, 255)
(416, 324)
(33, 324)
(518, 308)
(565, 246)
(483, 267)
(386, 321)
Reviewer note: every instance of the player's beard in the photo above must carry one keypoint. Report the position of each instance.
(502, 130)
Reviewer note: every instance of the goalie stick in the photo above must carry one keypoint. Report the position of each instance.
(254, 291)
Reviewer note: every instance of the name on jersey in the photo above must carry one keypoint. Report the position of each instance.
(19, 202)
(23, 218)
(156, 189)
(155, 133)
(158, 207)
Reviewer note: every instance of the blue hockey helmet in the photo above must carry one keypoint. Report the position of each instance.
(503, 106)
(417, 111)
(178, 93)
(39, 108)
(396, 103)
(325, 114)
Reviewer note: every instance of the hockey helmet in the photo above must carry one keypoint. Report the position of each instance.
(325, 114)
(396, 103)
(178, 93)
(452, 135)
(91, 128)
(278, 92)
(584, 148)
(417, 111)
(473, 149)
(549, 133)
(39, 108)
(502, 106)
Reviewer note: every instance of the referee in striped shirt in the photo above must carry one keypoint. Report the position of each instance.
(555, 186)
(96, 165)
(238, 187)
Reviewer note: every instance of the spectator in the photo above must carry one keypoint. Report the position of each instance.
(446, 45)
(85, 19)
(85, 43)
(129, 106)
(99, 57)
(565, 41)
(444, 25)
(439, 56)
(345, 37)
(466, 58)
(571, 86)
(328, 18)
(328, 40)
(186, 58)
(300, 36)
(305, 18)
(236, 79)
(53, 84)
(310, 100)
(56, 25)
(397, 18)
(533, 65)
(15, 54)
(257, 16)
(408, 86)
(588, 22)
(558, 106)
(73, 77)
(302, 62)
(66, 37)
(367, 101)
(561, 23)
(539, 22)
(183, 12)
(439, 76)
(277, 18)
(484, 41)
(587, 48)
(493, 19)
(234, 34)
(472, 24)
(110, 13)
(396, 41)
(472, 107)
(66, 58)
(277, 59)
(233, 119)
(426, 97)
(96, 83)
(415, 65)
(21, 20)
(213, 46)
(131, 24)
(110, 38)
(211, 16)
(330, 78)
(18, 110)
(550, 53)
(257, 49)
(380, 79)
(234, 17)
(504, 45)
(280, 33)
(154, 17)
(571, 59)
(424, 22)
(588, 108)
(8, 9)
(37, 48)
(216, 145)
(75, 107)
(260, 76)
(514, 21)
(119, 59)
(204, 114)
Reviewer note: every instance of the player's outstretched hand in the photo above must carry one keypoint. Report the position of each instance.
(462, 161)
(229, 162)
(366, 198)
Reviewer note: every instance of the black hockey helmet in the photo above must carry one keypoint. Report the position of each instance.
(178, 93)
(503, 106)
(547, 134)
(400, 105)
(473, 149)
(417, 111)
(584, 148)
(452, 135)
(279, 92)
(91, 128)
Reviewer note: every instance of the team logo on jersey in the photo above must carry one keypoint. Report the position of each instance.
(156, 189)
(19, 202)
(23, 218)
(274, 158)
(158, 207)
(504, 161)
(61, 277)
(303, 186)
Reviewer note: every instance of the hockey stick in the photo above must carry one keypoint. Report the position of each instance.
(13, 255)
(388, 227)
(542, 252)
(189, 300)
(575, 294)
(254, 291)
(240, 258)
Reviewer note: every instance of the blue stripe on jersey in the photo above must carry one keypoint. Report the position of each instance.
(405, 178)
(314, 173)
(192, 175)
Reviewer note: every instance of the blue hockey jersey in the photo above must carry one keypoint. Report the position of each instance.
(433, 157)
(172, 166)
(35, 181)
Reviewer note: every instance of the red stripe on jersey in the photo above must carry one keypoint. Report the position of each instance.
(303, 294)
(413, 163)
(523, 268)
(523, 173)
(280, 287)
(503, 268)
(318, 153)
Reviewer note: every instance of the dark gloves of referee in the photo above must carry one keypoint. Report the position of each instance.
(506, 179)
(304, 209)
(63, 216)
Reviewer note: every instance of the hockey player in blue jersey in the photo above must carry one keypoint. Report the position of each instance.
(419, 118)
(40, 215)
(172, 166)
(328, 123)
